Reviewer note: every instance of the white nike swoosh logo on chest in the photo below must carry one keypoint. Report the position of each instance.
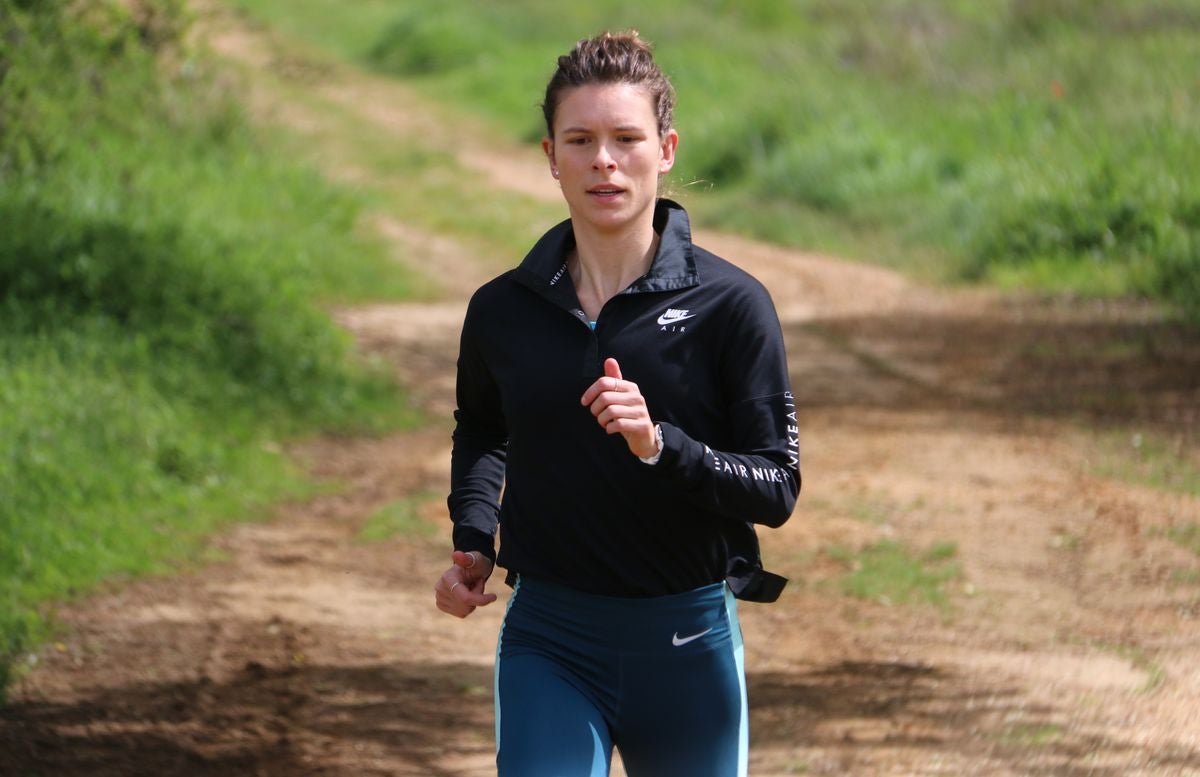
(664, 320)
(676, 640)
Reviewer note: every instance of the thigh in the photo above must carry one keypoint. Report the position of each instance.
(688, 717)
(545, 725)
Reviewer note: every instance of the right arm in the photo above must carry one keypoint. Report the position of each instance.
(476, 478)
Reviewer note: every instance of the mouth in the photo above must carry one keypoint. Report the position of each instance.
(605, 191)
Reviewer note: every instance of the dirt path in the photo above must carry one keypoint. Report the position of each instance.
(1070, 644)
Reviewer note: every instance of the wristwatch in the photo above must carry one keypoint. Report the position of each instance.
(658, 444)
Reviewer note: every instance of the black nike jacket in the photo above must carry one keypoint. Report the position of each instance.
(702, 341)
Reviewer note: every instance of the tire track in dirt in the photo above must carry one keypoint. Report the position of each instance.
(930, 416)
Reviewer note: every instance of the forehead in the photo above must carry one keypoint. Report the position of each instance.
(605, 105)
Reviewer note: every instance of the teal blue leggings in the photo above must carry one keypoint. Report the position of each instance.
(661, 679)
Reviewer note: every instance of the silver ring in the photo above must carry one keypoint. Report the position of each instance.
(472, 557)
(456, 584)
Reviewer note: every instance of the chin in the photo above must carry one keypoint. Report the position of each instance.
(610, 218)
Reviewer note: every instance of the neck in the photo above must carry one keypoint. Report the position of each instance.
(605, 263)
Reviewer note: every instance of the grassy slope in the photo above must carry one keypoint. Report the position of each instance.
(1051, 144)
(159, 269)
(872, 210)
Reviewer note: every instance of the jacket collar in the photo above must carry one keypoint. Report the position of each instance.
(544, 268)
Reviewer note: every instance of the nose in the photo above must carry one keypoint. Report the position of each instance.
(603, 159)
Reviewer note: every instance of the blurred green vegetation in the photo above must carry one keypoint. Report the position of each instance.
(890, 573)
(401, 518)
(1052, 144)
(1186, 536)
(161, 276)
(1153, 459)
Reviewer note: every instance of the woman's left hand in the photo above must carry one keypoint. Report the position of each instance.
(620, 408)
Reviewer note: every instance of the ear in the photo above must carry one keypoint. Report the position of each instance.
(548, 150)
(668, 144)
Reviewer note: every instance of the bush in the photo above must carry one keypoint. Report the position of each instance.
(241, 320)
(1097, 218)
(419, 44)
(159, 327)
(1176, 271)
(1034, 135)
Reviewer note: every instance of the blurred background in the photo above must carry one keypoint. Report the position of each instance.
(1047, 143)
(172, 241)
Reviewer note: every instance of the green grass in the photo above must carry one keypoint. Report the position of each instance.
(1186, 536)
(875, 508)
(1033, 144)
(1067, 541)
(1031, 734)
(1146, 459)
(1187, 577)
(162, 273)
(872, 511)
(420, 179)
(1139, 659)
(348, 35)
(401, 518)
(891, 573)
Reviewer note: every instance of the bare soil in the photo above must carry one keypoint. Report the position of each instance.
(1070, 644)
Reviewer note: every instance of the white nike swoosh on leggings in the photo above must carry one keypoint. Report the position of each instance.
(676, 640)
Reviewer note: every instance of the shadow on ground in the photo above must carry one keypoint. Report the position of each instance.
(265, 721)
(1041, 359)
(881, 709)
(404, 718)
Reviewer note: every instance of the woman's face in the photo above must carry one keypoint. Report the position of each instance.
(607, 154)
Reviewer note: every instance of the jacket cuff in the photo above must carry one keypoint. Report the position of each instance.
(467, 539)
(675, 444)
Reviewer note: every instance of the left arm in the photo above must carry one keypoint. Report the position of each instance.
(757, 481)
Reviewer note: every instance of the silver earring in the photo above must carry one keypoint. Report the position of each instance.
(554, 172)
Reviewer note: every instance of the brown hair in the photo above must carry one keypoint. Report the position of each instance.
(621, 58)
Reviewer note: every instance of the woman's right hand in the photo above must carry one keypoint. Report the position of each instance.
(460, 588)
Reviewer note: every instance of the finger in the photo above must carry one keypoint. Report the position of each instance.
(455, 608)
(447, 602)
(616, 411)
(455, 574)
(465, 560)
(630, 397)
(601, 385)
(479, 600)
(621, 408)
(471, 565)
(472, 594)
(611, 381)
(626, 426)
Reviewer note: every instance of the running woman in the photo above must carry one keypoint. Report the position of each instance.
(629, 391)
